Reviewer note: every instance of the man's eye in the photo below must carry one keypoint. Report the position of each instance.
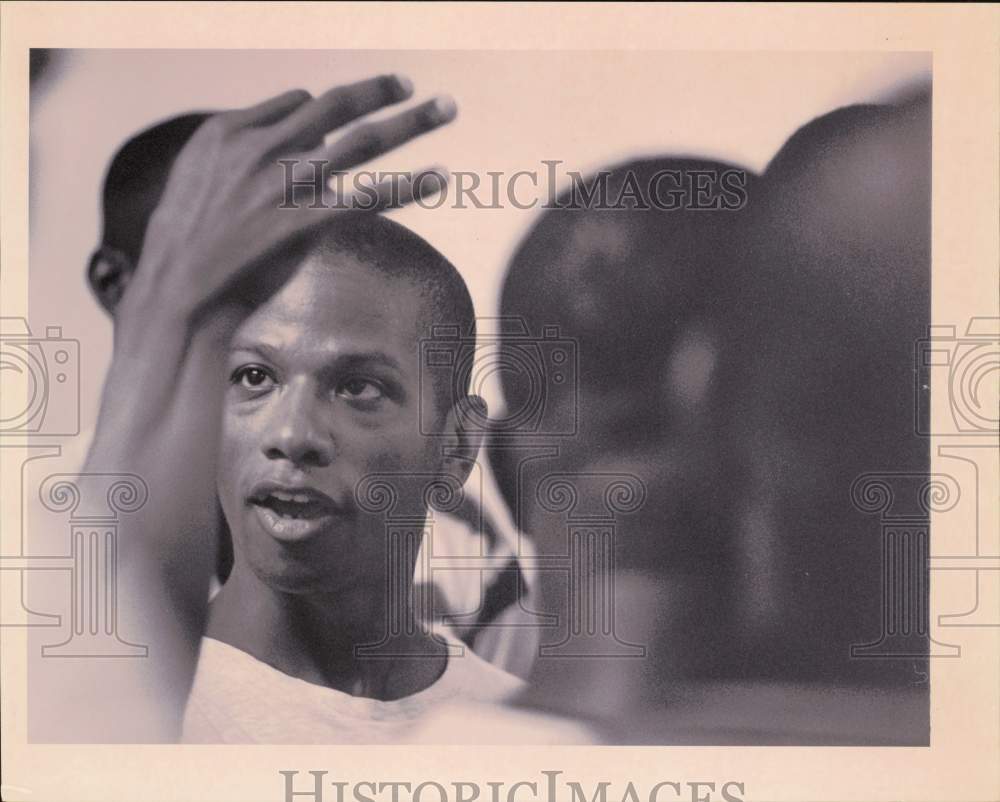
(252, 377)
(360, 390)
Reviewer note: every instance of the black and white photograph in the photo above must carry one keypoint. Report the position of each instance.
(458, 398)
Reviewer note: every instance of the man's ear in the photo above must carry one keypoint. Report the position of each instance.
(466, 425)
(108, 274)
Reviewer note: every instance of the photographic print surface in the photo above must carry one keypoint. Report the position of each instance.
(480, 401)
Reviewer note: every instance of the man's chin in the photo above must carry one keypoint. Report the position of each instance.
(297, 579)
(315, 565)
(296, 571)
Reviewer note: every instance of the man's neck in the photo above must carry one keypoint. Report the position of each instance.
(316, 637)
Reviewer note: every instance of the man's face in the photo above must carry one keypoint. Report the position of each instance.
(323, 391)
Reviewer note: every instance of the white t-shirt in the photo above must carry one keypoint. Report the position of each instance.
(236, 698)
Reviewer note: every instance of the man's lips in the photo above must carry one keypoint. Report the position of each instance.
(292, 512)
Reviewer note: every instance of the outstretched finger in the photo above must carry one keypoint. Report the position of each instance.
(306, 127)
(369, 140)
(271, 110)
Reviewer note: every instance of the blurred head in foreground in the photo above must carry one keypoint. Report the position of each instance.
(643, 289)
(837, 294)
(746, 559)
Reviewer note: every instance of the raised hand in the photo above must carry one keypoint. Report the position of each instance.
(224, 227)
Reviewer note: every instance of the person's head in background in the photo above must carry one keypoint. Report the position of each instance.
(646, 295)
(839, 294)
(133, 186)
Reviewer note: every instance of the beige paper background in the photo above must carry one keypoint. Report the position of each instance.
(961, 764)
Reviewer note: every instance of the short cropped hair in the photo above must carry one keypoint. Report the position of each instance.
(397, 252)
(137, 177)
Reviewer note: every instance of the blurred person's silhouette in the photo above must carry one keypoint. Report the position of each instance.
(750, 583)
(646, 293)
(834, 292)
(839, 295)
(643, 291)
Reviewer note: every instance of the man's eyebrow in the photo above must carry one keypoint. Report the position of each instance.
(272, 351)
(266, 350)
(366, 357)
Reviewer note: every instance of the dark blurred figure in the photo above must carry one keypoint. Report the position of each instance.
(836, 296)
(625, 481)
(748, 573)
(647, 296)
(639, 288)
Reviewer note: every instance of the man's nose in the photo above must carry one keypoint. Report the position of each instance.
(297, 432)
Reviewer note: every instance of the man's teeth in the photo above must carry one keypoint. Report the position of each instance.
(299, 498)
(293, 505)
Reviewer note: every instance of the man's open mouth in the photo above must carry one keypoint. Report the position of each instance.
(292, 513)
(293, 505)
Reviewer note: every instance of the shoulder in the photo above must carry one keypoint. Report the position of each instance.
(473, 678)
(235, 694)
(220, 678)
(221, 664)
